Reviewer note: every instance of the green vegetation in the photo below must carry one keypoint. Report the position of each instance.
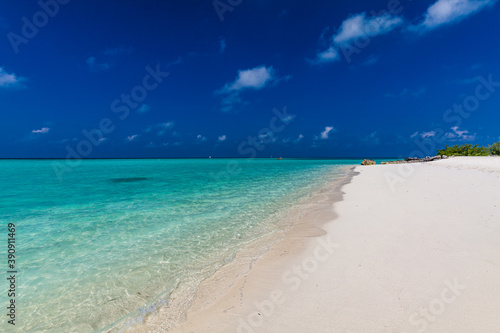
(495, 148)
(464, 150)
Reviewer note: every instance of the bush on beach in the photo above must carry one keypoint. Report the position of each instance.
(495, 148)
(464, 150)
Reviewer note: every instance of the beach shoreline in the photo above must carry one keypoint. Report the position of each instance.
(416, 256)
(290, 240)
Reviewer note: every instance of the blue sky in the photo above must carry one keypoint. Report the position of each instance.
(240, 78)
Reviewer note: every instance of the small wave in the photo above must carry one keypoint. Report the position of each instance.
(128, 180)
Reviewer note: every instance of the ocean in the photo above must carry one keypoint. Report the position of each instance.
(115, 239)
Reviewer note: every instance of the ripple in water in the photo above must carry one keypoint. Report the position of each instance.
(128, 180)
(93, 252)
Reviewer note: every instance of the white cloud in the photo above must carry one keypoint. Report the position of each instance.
(167, 125)
(267, 137)
(132, 137)
(329, 55)
(457, 135)
(176, 62)
(371, 139)
(359, 25)
(254, 78)
(222, 45)
(429, 134)
(144, 108)
(163, 127)
(111, 55)
(222, 138)
(229, 101)
(355, 27)
(94, 66)
(326, 132)
(288, 118)
(372, 60)
(43, 130)
(424, 135)
(449, 11)
(299, 138)
(8, 80)
(200, 138)
(408, 92)
(116, 51)
(362, 27)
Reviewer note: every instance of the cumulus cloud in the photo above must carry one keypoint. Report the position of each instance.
(248, 79)
(324, 135)
(355, 27)
(229, 101)
(329, 55)
(457, 135)
(111, 56)
(132, 137)
(163, 127)
(3, 23)
(449, 11)
(299, 138)
(144, 108)
(176, 62)
(200, 138)
(43, 130)
(288, 118)
(254, 78)
(371, 60)
(222, 45)
(95, 67)
(408, 92)
(424, 135)
(371, 139)
(266, 137)
(429, 134)
(222, 138)
(119, 50)
(360, 25)
(167, 125)
(10, 80)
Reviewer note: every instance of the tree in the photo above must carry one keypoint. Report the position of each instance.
(495, 148)
(464, 150)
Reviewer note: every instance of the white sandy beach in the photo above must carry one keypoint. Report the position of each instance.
(422, 255)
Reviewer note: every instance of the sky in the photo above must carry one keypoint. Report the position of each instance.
(241, 78)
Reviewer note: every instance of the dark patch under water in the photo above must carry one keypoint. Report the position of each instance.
(128, 180)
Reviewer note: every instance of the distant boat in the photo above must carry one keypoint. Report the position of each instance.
(279, 158)
(209, 157)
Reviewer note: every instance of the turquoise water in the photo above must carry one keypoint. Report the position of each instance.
(115, 238)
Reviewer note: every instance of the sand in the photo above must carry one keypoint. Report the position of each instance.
(409, 248)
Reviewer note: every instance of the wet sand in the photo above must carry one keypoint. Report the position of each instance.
(407, 248)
